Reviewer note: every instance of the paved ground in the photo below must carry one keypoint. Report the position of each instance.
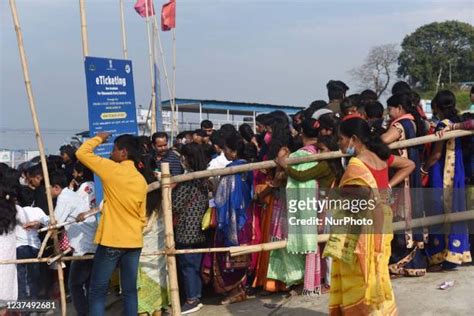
(414, 296)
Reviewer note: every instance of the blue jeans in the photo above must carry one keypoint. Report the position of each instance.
(79, 277)
(190, 273)
(28, 274)
(106, 259)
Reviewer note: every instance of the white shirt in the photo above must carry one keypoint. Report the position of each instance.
(24, 215)
(81, 235)
(87, 192)
(219, 162)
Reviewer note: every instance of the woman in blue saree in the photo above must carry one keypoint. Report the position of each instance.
(449, 244)
(408, 248)
(234, 227)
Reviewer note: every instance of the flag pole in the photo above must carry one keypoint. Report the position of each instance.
(85, 40)
(168, 86)
(124, 35)
(39, 140)
(150, 56)
(175, 125)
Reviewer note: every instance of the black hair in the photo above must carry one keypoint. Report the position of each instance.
(58, 178)
(401, 87)
(209, 151)
(236, 143)
(87, 174)
(360, 128)
(69, 150)
(34, 170)
(260, 118)
(250, 152)
(445, 103)
(206, 124)
(415, 99)
(146, 167)
(318, 104)
(405, 101)
(9, 192)
(329, 121)
(158, 135)
(368, 96)
(217, 138)
(26, 196)
(131, 144)
(145, 143)
(228, 130)
(374, 110)
(330, 141)
(472, 89)
(336, 89)
(3, 167)
(281, 135)
(310, 127)
(346, 104)
(200, 132)
(246, 132)
(195, 156)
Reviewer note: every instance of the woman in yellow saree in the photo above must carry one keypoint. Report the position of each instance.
(360, 280)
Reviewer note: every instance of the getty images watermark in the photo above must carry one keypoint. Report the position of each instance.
(313, 205)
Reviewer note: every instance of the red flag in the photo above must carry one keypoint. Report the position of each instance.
(168, 16)
(141, 6)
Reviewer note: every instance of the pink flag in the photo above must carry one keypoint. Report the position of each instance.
(168, 16)
(141, 6)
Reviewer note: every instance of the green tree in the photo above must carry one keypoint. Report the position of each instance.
(438, 53)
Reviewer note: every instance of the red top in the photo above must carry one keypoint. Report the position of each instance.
(381, 175)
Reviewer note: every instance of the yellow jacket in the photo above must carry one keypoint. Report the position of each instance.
(123, 215)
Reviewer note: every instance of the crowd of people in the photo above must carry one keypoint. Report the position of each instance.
(248, 208)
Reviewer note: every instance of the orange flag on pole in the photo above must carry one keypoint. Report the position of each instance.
(168, 16)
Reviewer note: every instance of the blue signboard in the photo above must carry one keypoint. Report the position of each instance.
(111, 102)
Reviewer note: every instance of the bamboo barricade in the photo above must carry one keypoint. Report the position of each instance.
(242, 250)
(169, 238)
(39, 140)
(324, 156)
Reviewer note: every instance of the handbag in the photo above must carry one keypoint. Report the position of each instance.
(209, 220)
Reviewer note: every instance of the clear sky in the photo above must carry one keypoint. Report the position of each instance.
(271, 51)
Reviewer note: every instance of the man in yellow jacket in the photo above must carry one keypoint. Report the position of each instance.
(119, 233)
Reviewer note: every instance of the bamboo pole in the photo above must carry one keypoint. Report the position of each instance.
(241, 250)
(165, 72)
(39, 140)
(43, 244)
(323, 156)
(85, 39)
(124, 35)
(397, 226)
(169, 240)
(175, 125)
(91, 212)
(150, 58)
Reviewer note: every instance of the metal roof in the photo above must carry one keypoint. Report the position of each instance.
(221, 107)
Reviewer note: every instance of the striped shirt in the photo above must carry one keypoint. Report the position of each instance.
(174, 160)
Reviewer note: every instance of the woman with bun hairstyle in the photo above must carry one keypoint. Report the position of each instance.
(446, 249)
(360, 280)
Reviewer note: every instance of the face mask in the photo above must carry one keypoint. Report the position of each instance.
(350, 150)
(267, 138)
